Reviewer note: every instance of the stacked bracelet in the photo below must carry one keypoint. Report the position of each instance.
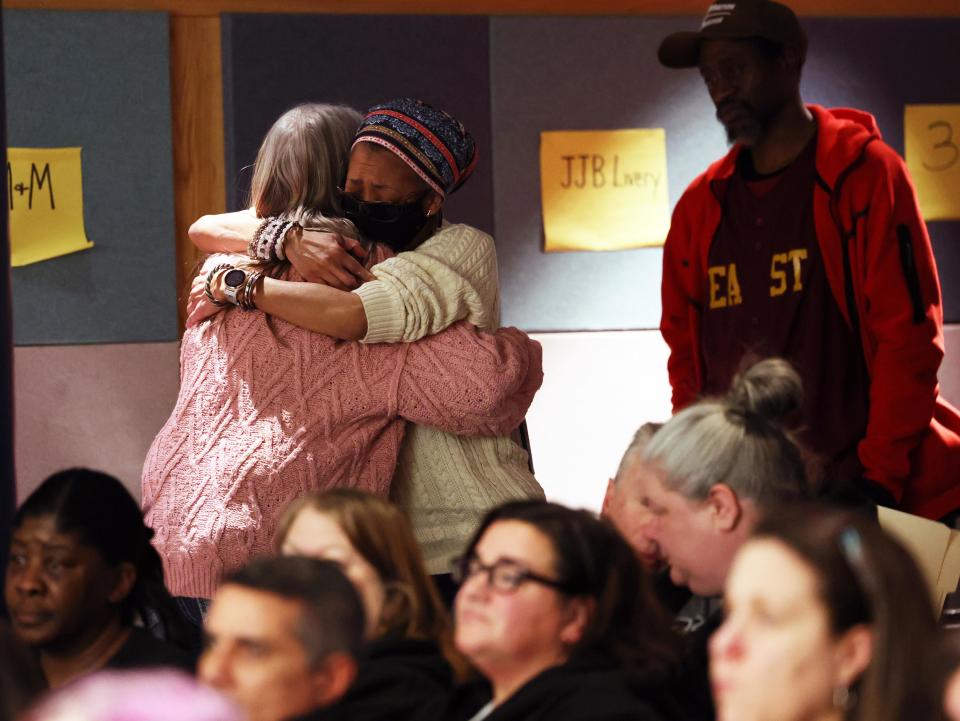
(206, 286)
(268, 241)
(245, 297)
(244, 294)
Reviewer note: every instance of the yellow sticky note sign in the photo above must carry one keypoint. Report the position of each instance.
(932, 145)
(604, 189)
(45, 198)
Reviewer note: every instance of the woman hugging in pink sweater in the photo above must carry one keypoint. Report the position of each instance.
(268, 410)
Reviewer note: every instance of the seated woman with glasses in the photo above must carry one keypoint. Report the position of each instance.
(827, 619)
(406, 159)
(555, 612)
(409, 657)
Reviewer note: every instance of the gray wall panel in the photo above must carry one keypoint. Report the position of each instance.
(102, 81)
(602, 73)
(880, 65)
(584, 74)
(272, 62)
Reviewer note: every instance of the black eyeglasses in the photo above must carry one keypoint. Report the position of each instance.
(503, 575)
(378, 211)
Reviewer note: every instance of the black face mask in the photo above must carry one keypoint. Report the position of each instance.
(393, 224)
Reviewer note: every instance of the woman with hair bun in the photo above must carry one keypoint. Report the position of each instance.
(721, 463)
(828, 618)
(82, 574)
(708, 475)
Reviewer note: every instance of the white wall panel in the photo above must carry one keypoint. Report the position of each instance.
(91, 405)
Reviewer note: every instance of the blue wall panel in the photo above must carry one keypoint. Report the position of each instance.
(101, 81)
(272, 62)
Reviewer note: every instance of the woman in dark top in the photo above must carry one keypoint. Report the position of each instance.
(827, 618)
(409, 659)
(21, 681)
(82, 574)
(557, 615)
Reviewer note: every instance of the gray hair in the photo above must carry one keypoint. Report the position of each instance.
(736, 440)
(299, 163)
(635, 450)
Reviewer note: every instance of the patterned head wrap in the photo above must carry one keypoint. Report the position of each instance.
(433, 143)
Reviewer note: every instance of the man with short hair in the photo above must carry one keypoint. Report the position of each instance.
(805, 242)
(622, 504)
(282, 637)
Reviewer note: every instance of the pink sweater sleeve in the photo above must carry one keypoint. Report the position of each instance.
(467, 382)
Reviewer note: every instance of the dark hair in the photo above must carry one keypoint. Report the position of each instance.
(594, 561)
(100, 511)
(332, 614)
(864, 576)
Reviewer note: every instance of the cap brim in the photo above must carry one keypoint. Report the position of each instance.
(680, 50)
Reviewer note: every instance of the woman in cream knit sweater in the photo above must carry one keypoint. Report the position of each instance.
(268, 411)
(447, 273)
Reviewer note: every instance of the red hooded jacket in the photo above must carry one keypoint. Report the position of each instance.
(880, 264)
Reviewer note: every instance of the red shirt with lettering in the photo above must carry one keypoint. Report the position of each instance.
(768, 295)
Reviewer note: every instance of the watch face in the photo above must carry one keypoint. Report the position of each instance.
(234, 278)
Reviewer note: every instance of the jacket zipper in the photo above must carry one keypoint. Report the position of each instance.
(910, 273)
(845, 239)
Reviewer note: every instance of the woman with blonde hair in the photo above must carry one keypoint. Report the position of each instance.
(410, 657)
(268, 410)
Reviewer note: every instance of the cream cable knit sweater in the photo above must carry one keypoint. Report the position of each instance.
(445, 482)
(268, 411)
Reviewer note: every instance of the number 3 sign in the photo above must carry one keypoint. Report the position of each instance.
(932, 143)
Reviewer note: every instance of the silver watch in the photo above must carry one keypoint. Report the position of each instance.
(233, 281)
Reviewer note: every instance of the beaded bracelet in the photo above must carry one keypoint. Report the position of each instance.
(262, 239)
(276, 248)
(206, 286)
(268, 242)
(254, 244)
(269, 252)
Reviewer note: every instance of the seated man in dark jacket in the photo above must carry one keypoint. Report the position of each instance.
(282, 636)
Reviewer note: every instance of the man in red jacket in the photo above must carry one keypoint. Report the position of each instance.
(805, 241)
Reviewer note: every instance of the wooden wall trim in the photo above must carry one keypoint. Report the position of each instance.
(834, 8)
(196, 99)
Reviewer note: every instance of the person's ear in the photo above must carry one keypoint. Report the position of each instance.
(432, 204)
(608, 498)
(578, 614)
(126, 576)
(331, 679)
(725, 507)
(853, 652)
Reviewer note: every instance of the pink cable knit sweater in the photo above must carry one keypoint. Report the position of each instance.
(268, 411)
